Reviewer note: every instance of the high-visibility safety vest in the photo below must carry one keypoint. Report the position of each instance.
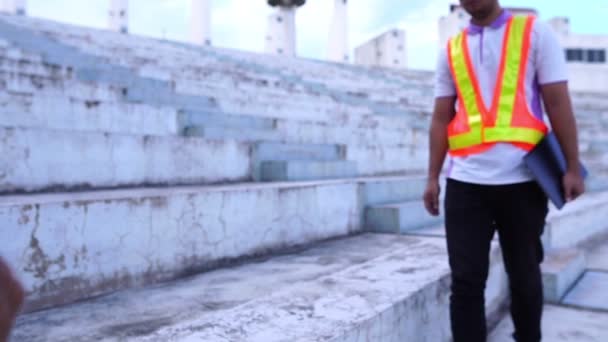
(475, 128)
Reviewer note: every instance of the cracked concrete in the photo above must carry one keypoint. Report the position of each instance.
(333, 291)
(92, 246)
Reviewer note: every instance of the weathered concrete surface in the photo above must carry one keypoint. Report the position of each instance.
(371, 273)
(578, 222)
(591, 292)
(562, 325)
(435, 231)
(597, 258)
(399, 217)
(274, 151)
(369, 287)
(37, 159)
(72, 246)
(302, 170)
(561, 269)
(385, 192)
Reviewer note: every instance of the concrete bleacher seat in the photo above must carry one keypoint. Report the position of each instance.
(371, 287)
(71, 246)
(37, 159)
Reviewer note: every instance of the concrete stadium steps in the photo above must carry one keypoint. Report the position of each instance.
(60, 261)
(109, 160)
(83, 42)
(371, 287)
(578, 279)
(399, 218)
(81, 160)
(202, 118)
(578, 222)
(393, 189)
(60, 112)
(561, 270)
(562, 324)
(304, 170)
(235, 133)
(285, 161)
(143, 236)
(398, 208)
(394, 132)
(82, 98)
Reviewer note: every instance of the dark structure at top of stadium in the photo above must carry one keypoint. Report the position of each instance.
(286, 3)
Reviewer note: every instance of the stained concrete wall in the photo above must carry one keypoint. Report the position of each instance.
(41, 159)
(73, 246)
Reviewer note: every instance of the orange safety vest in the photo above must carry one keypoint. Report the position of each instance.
(475, 128)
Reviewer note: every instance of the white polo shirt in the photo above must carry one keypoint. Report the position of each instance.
(503, 163)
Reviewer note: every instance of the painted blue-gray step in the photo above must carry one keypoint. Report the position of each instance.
(303, 170)
(207, 118)
(590, 293)
(561, 270)
(280, 151)
(275, 151)
(385, 191)
(399, 218)
(232, 133)
(597, 182)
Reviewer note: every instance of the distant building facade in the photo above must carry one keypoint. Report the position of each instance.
(386, 50)
(586, 57)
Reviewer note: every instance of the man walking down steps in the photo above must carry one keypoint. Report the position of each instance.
(491, 79)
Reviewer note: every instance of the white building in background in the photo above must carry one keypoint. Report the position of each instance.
(200, 22)
(118, 16)
(386, 50)
(458, 19)
(585, 55)
(281, 36)
(18, 7)
(337, 47)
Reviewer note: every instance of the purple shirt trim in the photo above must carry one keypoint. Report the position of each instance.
(499, 22)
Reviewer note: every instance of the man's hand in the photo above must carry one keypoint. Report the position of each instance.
(431, 197)
(574, 185)
(11, 298)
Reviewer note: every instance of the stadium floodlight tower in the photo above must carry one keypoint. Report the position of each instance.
(281, 37)
(200, 22)
(118, 19)
(337, 49)
(17, 7)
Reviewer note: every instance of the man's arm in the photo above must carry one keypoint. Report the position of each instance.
(559, 109)
(438, 142)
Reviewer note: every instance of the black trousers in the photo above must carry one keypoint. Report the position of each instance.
(473, 213)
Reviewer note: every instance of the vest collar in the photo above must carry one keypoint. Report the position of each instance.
(498, 23)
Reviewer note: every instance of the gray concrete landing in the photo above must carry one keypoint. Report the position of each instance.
(372, 286)
(563, 325)
(590, 293)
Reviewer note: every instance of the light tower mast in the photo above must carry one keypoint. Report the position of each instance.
(281, 37)
(200, 24)
(337, 49)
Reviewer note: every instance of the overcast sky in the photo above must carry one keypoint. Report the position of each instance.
(241, 24)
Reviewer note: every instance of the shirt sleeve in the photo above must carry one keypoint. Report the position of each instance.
(550, 58)
(444, 83)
